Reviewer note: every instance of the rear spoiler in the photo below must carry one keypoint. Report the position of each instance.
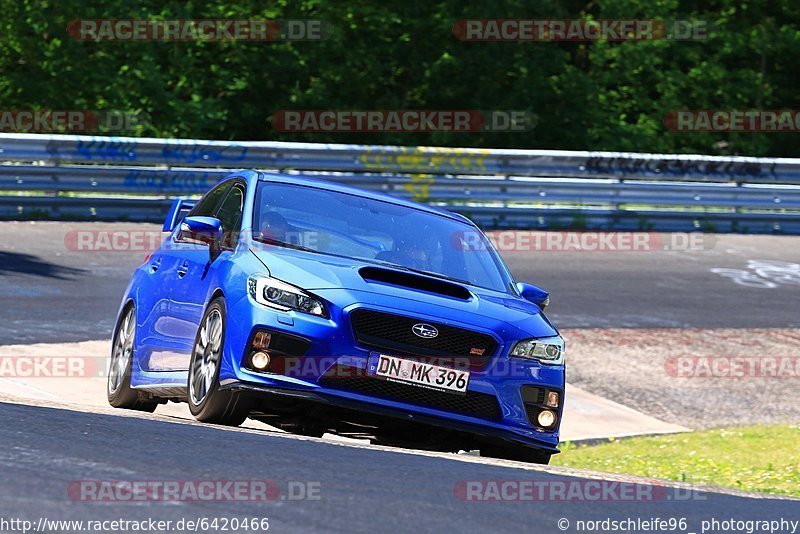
(180, 207)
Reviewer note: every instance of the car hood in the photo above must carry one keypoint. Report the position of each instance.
(333, 277)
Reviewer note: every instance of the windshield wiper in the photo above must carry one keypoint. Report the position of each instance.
(285, 244)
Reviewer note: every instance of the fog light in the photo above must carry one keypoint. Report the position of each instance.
(552, 399)
(259, 360)
(546, 418)
(261, 340)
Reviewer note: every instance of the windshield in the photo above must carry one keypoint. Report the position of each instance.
(348, 225)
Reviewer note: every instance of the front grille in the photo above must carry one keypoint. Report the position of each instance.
(394, 332)
(349, 378)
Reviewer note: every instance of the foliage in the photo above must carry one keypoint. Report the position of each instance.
(389, 55)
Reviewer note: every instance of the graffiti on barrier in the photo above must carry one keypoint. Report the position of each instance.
(109, 149)
(170, 181)
(204, 153)
(677, 167)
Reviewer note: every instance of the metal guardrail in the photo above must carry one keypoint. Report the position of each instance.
(86, 177)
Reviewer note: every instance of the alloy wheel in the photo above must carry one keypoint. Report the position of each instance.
(121, 356)
(205, 357)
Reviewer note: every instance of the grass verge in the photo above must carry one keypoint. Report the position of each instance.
(754, 458)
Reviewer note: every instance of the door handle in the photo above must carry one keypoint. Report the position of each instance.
(183, 269)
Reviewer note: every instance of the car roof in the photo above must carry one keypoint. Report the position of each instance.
(307, 181)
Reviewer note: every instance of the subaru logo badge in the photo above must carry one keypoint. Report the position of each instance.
(425, 330)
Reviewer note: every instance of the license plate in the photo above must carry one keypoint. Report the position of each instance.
(419, 373)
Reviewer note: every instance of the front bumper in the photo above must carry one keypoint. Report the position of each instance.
(332, 346)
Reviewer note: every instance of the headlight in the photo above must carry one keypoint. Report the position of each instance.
(282, 296)
(548, 350)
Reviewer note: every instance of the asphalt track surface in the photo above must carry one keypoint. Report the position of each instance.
(44, 451)
(53, 294)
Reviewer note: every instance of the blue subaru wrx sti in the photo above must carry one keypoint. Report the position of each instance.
(317, 307)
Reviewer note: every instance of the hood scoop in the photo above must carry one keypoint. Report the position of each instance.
(414, 281)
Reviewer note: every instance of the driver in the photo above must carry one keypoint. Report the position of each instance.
(416, 252)
(274, 226)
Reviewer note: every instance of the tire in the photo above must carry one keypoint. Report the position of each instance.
(206, 402)
(518, 453)
(118, 386)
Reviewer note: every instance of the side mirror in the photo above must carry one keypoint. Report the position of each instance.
(203, 230)
(534, 294)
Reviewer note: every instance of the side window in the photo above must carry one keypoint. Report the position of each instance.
(230, 214)
(209, 203)
(205, 208)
